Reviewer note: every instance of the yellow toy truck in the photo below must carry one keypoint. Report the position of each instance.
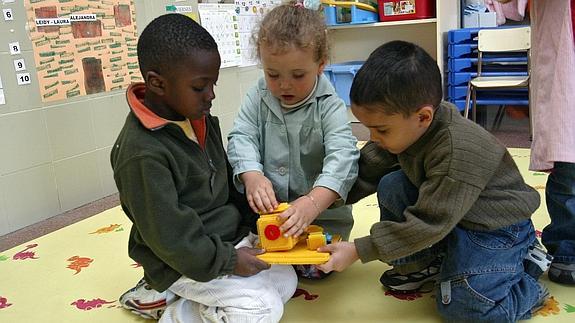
(290, 250)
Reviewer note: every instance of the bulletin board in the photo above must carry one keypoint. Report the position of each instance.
(82, 47)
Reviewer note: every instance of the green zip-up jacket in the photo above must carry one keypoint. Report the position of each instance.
(179, 197)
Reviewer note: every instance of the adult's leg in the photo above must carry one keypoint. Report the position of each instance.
(559, 236)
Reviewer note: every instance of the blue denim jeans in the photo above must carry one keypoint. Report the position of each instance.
(559, 236)
(482, 278)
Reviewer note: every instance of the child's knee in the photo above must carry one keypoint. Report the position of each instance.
(458, 301)
(396, 188)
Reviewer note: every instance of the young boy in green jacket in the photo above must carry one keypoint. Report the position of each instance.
(453, 206)
(190, 232)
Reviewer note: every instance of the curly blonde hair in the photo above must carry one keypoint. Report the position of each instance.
(289, 25)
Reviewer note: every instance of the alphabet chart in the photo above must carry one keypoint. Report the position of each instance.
(250, 13)
(221, 21)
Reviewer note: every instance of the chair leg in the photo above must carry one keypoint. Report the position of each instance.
(467, 97)
(474, 107)
(498, 118)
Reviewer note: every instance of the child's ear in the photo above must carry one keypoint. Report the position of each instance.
(155, 83)
(322, 64)
(425, 115)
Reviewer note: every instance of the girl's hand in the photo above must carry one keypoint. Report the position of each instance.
(299, 215)
(343, 255)
(259, 192)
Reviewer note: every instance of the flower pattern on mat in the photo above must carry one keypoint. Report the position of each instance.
(3, 258)
(306, 295)
(551, 307)
(4, 303)
(77, 263)
(569, 308)
(108, 229)
(26, 253)
(85, 305)
(404, 296)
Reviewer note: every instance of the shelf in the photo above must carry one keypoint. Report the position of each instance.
(384, 24)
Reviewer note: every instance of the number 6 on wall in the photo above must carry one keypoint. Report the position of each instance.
(8, 14)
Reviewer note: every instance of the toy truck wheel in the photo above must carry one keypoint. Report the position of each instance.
(272, 232)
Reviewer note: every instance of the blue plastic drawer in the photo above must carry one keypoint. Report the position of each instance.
(341, 16)
(462, 35)
(489, 64)
(462, 50)
(460, 92)
(460, 78)
(469, 35)
(341, 76)
(493, 100)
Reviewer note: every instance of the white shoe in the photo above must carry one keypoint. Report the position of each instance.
(145, 301)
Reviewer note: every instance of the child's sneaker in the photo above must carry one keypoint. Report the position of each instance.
(145, 301)
(395, 281)
(562, 273)
(537, 260)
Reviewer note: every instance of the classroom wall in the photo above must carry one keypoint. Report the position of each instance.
(54, 157)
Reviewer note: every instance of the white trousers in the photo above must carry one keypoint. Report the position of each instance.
(258, 298)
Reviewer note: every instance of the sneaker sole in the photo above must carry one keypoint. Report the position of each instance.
(411, 286)
(144, 309)
(560, 276)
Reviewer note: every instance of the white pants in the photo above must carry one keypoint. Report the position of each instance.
(258, 298)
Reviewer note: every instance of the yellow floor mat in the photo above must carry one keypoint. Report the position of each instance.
(77, 273)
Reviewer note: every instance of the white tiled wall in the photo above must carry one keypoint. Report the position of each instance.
(55, 157)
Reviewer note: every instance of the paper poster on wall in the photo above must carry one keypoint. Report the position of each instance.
(250, 13)
(221, 21)
(83, 47)
(184, 10)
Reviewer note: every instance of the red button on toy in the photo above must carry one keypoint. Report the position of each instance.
(272, 232)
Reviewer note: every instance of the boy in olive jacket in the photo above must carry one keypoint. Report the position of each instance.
(190, 232)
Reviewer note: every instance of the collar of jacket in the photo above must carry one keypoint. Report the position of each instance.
(324, 88)
(443, 114)
(135, 97)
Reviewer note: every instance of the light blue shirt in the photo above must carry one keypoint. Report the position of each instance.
(296, 149)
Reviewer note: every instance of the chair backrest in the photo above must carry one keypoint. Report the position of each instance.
(499, 41)
(504, 39)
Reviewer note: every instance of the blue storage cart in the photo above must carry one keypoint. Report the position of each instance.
(348, 12)
(341, 76)
(462, 66)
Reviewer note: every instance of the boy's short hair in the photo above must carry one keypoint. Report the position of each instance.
(168, 40)
(399, 77)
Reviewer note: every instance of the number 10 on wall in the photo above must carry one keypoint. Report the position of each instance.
(23, 78)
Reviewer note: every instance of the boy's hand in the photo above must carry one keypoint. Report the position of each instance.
(343, 255)
(247, 263)
(299, 215)
(259, 192)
